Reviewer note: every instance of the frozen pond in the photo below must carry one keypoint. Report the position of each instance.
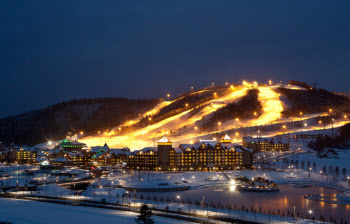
(283, 200)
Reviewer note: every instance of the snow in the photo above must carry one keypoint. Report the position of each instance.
(32, 212)
(164, 140)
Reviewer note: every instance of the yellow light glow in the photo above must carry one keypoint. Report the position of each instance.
(272, 106)
(184, 123)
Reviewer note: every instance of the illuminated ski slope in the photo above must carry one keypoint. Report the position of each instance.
(184, 123)
(272, 106)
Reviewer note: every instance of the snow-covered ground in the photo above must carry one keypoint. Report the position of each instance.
(32, 212)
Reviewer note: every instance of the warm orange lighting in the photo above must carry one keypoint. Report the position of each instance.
(195, 127)
(301, 113)
(119, 129)
(150, 119)
(237, 119)
(81, 132)
(219, 123)
(231, 87)
(99, 132)
(254, 113)
(191, 142)
(168, 95)
(214, 94)
(330, 110)
(284, 126)
(237, 133)
(270, 82)
(345, 116)
(105, 133)
(226, 83)
(320, 122)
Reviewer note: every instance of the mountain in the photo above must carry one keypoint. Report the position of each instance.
(88, 115)
(140, 122)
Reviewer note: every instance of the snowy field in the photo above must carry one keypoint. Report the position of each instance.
(31, 212)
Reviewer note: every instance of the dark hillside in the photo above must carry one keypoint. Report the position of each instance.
(88, 115)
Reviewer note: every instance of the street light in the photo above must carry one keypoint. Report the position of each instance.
(168, 95)
(284, 128)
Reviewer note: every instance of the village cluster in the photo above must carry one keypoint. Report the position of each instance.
(204, 155)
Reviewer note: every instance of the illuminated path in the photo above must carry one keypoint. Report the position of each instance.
(183, 124)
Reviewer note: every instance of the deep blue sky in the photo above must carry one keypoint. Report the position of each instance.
(53, 51)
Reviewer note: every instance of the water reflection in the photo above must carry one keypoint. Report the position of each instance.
(233, 188)
(274, 201)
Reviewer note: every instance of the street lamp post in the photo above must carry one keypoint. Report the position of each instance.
(294, 214)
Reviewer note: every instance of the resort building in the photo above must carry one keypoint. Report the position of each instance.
(264, 144)
(72, 145)
(204, 155)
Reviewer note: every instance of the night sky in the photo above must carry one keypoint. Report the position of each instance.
(54, 51)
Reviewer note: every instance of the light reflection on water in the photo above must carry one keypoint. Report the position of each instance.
(283, 200)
